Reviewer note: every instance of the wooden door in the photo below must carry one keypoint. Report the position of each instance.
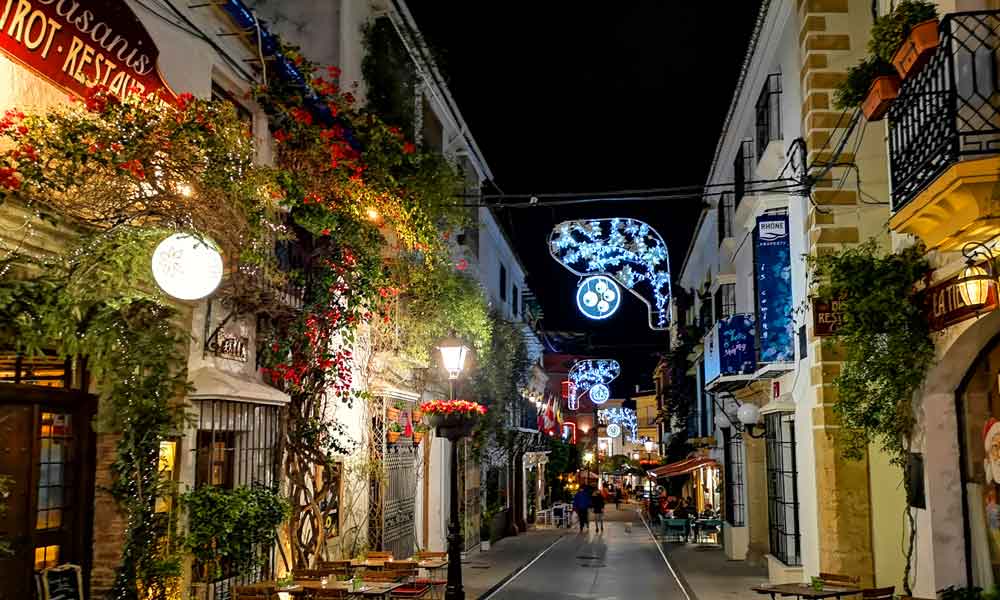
(46, 451)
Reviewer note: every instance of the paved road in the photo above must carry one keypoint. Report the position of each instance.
(598, 566)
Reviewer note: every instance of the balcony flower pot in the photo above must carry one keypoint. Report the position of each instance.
(392, 414)
(392, 436)
(452, 419)
(880, 96)
(917, 49)
(418, 436)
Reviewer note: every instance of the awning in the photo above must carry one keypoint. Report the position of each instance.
(212, 384)
(682, 467)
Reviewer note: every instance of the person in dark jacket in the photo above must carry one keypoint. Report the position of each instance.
(618, 498)
(597, 505)
(581, 504)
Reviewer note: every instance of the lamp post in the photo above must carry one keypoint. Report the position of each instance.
(648, 445)
(453, 353)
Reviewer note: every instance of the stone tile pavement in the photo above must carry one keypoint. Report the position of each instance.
(484, 571)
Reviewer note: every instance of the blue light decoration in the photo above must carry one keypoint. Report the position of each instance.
(773, 278)
(625, 418)
(599, 394)
(729, 348)
(614, 430)
(628, 250)
(598, 297)
(588, 373)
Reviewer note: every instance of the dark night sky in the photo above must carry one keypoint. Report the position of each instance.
(591, 97)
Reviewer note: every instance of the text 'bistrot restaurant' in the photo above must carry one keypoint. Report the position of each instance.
(56, 462)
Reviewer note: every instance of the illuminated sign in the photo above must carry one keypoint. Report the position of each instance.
(598, 297)
(77, 45)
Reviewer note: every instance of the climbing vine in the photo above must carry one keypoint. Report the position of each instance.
(680, 390)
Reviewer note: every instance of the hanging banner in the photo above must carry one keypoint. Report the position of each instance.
(77, 45)
(729, 348)
(773, 278)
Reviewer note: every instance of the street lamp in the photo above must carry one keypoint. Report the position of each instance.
(749, 416)
(453, 353)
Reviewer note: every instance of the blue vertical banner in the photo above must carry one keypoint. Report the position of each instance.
(773, 277)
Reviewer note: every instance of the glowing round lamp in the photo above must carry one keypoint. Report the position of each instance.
(453, 353)
(974, 285)
(722, 421)
(649, 445)
(187, 267)
(598, 297)
(635, 456)
(748, 414)
(599, 394)
(614, 430)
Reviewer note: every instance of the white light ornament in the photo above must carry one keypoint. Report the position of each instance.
(625, 418)
(187, 267)
(599, 394)
(614, 430)
(586, 374)
(598, 297)
(627, 250)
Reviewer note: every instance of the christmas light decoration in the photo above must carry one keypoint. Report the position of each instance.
(614, 430)
(598, 297)
(186, 267)
(625, 418)
(599, 394)
(587, 374)
(628, 250)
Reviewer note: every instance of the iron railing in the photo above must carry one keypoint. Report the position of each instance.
(735, 502)
(782, 488)
(950, 110)
(743, 167)
(768, 113)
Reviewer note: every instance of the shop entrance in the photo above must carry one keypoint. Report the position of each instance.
(46, 473)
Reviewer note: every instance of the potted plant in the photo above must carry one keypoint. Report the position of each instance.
(395, 430)
(871, 84)
(392, 413)
(907, 36)
(453, 419)
(419, 429)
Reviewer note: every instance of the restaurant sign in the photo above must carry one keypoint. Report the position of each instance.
(948, 305)
(78, 44)
(827, 317)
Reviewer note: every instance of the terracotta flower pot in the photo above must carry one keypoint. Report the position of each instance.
(418, 436)
(453, 426)
(393, 436)
(917, 49)
(392, 414)
(416, 414)
(880, 96)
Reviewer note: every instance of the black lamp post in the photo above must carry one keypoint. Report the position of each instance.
(453, 353)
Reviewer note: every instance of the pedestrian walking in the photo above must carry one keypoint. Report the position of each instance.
(597, 505)
(618, 499)
(581, 504)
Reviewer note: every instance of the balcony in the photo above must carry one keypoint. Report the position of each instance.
(730, 353)
(944, 138)
(770, 153)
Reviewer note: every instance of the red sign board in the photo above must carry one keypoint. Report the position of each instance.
(77, 44)
(827, 317)
(948, 305)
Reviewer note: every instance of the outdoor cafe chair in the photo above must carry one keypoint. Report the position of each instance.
(709, 527)
(312, 574)
(252, 592)
(378, 555)
(677, 529)
(838, 579)
(384, 576)
(886, 593)
(340, 567)
(330, 594)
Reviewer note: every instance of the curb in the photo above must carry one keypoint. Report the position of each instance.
(517, 570)
(678, 576)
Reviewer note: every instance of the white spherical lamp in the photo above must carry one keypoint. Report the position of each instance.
(722, 421)
(748, 414)
(649, 445)
(187, 267)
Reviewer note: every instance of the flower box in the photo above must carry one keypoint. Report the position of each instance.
(917, 49)
(880, 96)
(453, 419)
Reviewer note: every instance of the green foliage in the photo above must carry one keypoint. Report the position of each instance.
(94, 301)
(851, 93)
(6, 485)
(564, 458)
(890, 30)
(970, 593)
(503, 371)
(389, 74)
(227, 528)
(886, 339)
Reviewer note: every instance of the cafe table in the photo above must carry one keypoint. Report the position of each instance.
(369, 589)
(803, 590)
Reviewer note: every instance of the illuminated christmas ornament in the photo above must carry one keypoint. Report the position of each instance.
(614, 430)
(585, 374)
(627, 250)
(599, 394)
(598, 297)
(187, 267)
(625, 418)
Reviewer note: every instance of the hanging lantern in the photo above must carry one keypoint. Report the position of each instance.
(187, 267)
(974, 285)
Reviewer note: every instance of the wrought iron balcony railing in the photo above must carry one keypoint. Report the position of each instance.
(949, 111)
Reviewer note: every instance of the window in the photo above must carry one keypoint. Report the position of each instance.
(55, 480)
(782, 488)
(503, 283)
(725, 300)
(726, 213)
(705, 312)
(768, 111)
(743, 166)
(220, 93)
(735, 503)
(515, 300)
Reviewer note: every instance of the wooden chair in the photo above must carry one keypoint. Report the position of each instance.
(312, 574)
(399, 565)
(251, 592)
(322, 594)
(378, 556)
(437, 584)
(336, 567)
(384, 576)
(430, 555)
(410, 590)
(885, 593)
(838, 579)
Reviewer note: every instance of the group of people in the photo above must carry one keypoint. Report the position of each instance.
(672, 507)
(590, 499)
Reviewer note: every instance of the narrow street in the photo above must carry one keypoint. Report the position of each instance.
(598, 566)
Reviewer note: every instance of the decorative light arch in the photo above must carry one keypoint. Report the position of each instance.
(585, 374)
(630, 251)
(625, 418)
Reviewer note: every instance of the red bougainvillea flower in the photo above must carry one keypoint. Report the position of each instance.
(409, 148)
(462, 265)
(302, 116)
(452, 407)
(281, 136)
(185, 100)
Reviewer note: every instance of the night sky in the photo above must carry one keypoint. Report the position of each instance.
(589, 97)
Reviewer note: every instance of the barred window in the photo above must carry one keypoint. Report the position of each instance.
(768, 111)
(725, 300)
(782, 488)
(735, 499)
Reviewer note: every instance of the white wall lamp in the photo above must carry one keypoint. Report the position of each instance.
(747, 419)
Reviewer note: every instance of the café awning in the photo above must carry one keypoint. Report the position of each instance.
(682, 467)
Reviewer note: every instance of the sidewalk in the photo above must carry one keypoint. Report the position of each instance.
(484, 571)
(708, 575)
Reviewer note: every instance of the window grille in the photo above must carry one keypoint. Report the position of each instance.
(735, 500)
(726, 213)
(725, 300)
(768, 113)
(782, 488)
(743, 167)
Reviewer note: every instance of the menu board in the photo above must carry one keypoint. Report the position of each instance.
(62, 583)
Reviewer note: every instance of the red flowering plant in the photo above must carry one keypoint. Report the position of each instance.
(453, 407)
